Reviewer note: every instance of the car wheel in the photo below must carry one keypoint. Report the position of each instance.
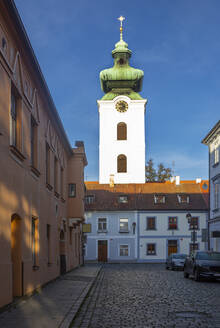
(196, 275)
(172, 267)
(186, 275)
(167, 267)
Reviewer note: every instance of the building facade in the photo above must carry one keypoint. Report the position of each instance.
(212, 140)
(41, 175)
(144, 222)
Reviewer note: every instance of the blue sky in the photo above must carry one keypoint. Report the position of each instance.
(175, 42)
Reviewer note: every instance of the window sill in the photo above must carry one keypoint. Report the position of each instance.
(56, 194)
(151, 254)
(17, 153)
(35, 267)
(35, 171)
(123, 231)
(148, 229)
(102, 231)
(49, 187)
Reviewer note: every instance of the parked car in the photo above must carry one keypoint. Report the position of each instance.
(202, 264)
(175, 261)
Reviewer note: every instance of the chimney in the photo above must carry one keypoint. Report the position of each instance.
(198, 180)
(111, 180)
(177, 180)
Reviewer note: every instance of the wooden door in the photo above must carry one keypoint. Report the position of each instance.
(102, 251)
(172, 247)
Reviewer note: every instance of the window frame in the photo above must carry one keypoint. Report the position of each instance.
(157, 197)
(123, 230)
(91, 197)
(102, 223)
(123, 199)
(121, 167)
(121, 131)
(154, 251)
(169, 223)
(128, 250)
(147, 223)
(216, 195)
(70, 194)
(181, 200)
(33, 142)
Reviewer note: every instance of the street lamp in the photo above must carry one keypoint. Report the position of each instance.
(192, 222)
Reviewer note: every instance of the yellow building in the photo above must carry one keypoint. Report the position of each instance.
(41, 175)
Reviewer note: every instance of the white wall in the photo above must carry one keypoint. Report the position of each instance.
(162, 234)
(133, 148)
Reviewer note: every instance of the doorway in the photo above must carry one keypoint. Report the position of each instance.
(102, 250)
(62, 252)
(172, 247)
(16, 257)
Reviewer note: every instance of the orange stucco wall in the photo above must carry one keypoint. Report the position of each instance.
(22, 191)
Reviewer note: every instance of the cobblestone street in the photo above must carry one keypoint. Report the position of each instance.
(147, 295)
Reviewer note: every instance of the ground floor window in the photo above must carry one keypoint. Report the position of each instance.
(151, 249)
(123, 250)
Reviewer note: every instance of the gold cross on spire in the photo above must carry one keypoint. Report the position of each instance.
(121, 19)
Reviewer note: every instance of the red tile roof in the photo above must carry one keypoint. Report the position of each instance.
(141, 196)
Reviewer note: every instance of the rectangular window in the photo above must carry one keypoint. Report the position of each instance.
(102, 224)
(216, 155)
(194, 223)
(34, 238)
(71, 235)
(89, 199)
(123, 225)
(159, 199)
(47, 163)
(72, 190)
(33, 142)
(123, 199)
(172, 223)
(183, 199)
(216, 195)
(61, 182)
(151, 223)
(123, 250)
(151, 249)
(15, 121)
(48, 243)
(55, 174)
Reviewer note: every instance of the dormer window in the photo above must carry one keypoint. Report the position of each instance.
(183, 199)
(159, 199)
(123, 199)
(89, 199)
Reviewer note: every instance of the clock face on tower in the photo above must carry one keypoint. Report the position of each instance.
(121, 106)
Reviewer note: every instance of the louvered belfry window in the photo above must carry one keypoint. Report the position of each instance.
(122, 163)
(121, 131)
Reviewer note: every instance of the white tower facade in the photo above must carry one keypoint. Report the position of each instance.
(112, 146)
(121, 120)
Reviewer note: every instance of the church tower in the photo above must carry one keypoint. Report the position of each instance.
(121, 120)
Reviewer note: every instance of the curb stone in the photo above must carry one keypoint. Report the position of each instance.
(71, 314)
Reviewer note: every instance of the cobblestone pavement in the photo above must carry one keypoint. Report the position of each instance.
(147, 295)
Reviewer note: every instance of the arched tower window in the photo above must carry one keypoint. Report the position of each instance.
(121, 163)
(122, 131)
